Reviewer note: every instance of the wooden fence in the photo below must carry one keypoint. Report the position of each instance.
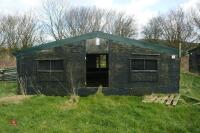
(8, 74)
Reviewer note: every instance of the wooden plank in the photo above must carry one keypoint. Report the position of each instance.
(164, 99)
(154, 98)
(196, 104)
(193, 98)
(170, 99)
(175, 101)
(149, 98)
(158, 100)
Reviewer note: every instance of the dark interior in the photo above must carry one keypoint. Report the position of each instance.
(97, 70)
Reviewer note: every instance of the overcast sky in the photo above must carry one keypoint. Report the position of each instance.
(143, 10)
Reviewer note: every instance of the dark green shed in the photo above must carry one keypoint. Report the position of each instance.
(121, 65)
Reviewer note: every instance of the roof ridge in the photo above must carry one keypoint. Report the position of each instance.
(100, 34)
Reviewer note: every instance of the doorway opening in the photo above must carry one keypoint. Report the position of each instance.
(97, 70)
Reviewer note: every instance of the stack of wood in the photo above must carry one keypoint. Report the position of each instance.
(171, 99)
(8, 74)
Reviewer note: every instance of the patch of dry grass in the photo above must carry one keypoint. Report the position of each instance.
(72, 103)
(16, 99)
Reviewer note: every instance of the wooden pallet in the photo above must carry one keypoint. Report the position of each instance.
(171, 99)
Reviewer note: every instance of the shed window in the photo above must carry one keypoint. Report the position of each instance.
(50, 65)
(144, 64)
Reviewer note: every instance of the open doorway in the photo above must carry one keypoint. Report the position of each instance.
(97, 70)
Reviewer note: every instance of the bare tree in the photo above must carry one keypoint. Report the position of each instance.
(28, 31)
(10, 32)
(195, 17)
(2, 38)
(152, 31)
(18, 31)
(82, 20)
(64, 21)
(120, 24)
(54, 18)
(176, 27)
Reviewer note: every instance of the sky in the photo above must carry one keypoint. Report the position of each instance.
(143, 10)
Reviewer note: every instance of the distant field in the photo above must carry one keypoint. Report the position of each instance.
(97, 113)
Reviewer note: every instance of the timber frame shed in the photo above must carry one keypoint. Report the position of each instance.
(122, 66)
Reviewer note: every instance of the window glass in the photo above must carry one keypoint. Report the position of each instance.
(57, 65)
(44, 64)
(137, 64)
(144, 64)
(50, 65)
(151, 64)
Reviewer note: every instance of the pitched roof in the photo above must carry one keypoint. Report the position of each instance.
(117, 39)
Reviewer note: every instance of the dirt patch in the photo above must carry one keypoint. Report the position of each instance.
(13, 99)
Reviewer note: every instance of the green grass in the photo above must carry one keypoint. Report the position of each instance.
(7, 88)
(190, 85)
(97, 113)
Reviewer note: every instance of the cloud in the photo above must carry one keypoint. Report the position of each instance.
(189, 4)
(13, 6)
(31, 3)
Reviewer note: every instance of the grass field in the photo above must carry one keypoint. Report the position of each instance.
(97, 113)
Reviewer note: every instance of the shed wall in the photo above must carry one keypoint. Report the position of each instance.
(122, 81)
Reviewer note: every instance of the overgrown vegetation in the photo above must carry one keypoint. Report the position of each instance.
(190, 85)
(98, 113)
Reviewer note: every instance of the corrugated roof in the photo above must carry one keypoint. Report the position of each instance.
(117, 39)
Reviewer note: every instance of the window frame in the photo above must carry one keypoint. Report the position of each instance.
(50, 70)
(145, 70)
